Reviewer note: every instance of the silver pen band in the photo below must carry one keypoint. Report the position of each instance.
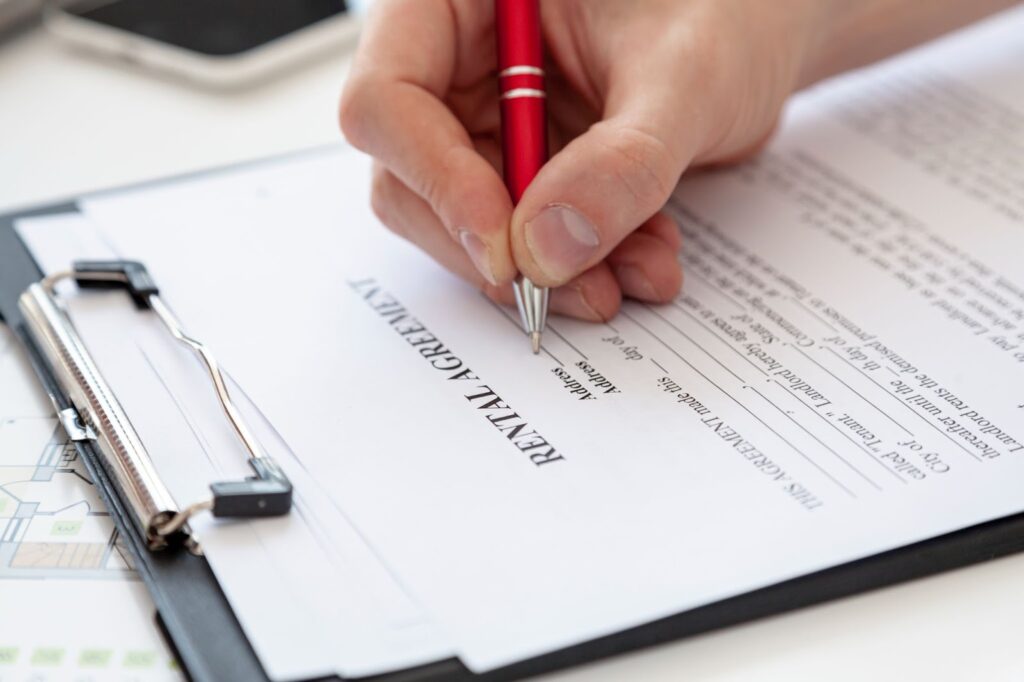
(521, 70)
(517, 93)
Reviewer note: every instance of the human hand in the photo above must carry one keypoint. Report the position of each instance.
(638, 91)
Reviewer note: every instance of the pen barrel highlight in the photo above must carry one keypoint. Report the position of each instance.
(518, 31)
(523, 97)
(524, 142)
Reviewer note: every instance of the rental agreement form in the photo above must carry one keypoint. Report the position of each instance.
(841, 375)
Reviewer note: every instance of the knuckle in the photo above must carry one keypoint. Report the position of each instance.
(603, 302)
(439, 186)
(354, 116)
(644, 165)
(382, 203)
(431, 188)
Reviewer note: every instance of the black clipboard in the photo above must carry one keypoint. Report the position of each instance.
(206, 638)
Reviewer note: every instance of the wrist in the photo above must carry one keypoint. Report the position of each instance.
(765, 51)
(853, 33)
(830, 26)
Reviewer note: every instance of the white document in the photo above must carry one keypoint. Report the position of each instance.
(840, 376)
(285, 573)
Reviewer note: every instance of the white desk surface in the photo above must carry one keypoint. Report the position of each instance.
(70, 123)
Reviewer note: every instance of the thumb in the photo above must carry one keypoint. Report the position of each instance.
(601, 187)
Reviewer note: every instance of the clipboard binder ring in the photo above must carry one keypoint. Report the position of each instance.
(162, 522)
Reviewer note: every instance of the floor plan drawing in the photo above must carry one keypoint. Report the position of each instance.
(73, 607)
(54, 525)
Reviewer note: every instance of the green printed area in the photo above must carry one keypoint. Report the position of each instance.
(66, 528)
(140, 659)
(8, 655)
(3, 504)
(47, 656)
(95, 658)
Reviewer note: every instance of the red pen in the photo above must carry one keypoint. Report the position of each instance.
(524, 137)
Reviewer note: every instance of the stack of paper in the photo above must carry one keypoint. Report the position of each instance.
(836, 379)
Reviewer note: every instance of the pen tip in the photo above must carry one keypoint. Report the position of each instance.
(535, 342)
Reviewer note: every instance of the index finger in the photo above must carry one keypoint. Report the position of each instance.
(392, 108)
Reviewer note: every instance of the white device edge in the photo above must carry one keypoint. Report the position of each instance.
(240, 70)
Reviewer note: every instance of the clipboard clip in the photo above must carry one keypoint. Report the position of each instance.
(267, 493)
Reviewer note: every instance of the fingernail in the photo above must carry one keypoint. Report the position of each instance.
(478, 253)
(573, 302)
(635, 283)
(561, 241)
